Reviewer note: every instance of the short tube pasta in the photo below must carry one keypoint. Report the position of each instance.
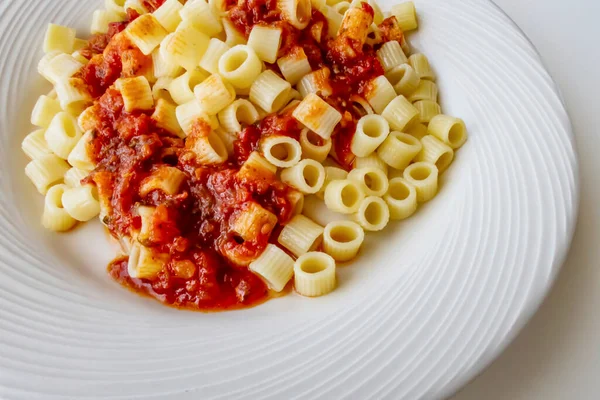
(144, 262)
(81, 202)
(314, 146)
(380, 93)
(424, 177)
(373, 214)
(74, 176)
(420, 64)
(136, 92)
(185, 46)
(164, 67)
(436, 152)
(418, 131)
(274, 266)
(34, 145)
(301, 235)
(181, 88)
(294, 65)
(168, 14)
(344, 196)
(296, 12)
(399, 149)
(316, 82)
(314, 274)
(427, 110)
(63, 134)
(79, 157)
(401, 199)
(59, 38)
(46, 171)
(371, 131)
(44, 110)
(427, 90)
(265, 41)
(281, 151)
(240, 66)
(55, 217)
(232, 35)
(400, 113)
(210, 60)
(449, 130)
(214, 94)
(165, 117)
(199, 14)
(209, 149)
(373, 180)
(391, 55)
(342, 240)
(146, 33)
(371, 161)
(406, 16)
(318, 116)
(189, 113)
(238, 112)
(308, 176)
(331, 174)
(256, 166)
(269, 91)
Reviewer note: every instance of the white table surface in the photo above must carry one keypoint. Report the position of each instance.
(557, 355)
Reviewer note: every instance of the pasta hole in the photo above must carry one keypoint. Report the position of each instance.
(342, 234)
(280, 100)
(408, 140)
(350, 196)
(218, 146)
(456, 134)
(70, 129)
(444, 160)
(282, 152)
(373, 213)
(399, 191)
(311, 175)
(313, 266)
(94, 192)
(372, 128)
(314, 139)
(373, 181)
(243, 114)
(238, 239)
(235, 61)
(420, 173)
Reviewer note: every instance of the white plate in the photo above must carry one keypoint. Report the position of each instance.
(429, 303)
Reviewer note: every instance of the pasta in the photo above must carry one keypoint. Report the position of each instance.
(371, 131)
(424, 177)
(399, 149)
(318, 116)
(314, 274)
(342, 240)
(218, 141)
(301, 235)
(373, 214)
(274, 266)
(401, 199)
(308, 176)
(240, 66)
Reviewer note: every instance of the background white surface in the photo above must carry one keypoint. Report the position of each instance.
(557, 355)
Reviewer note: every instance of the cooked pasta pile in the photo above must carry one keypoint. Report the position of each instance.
(195, 129)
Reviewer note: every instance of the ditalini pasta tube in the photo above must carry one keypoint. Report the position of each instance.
(164, 67)
(371, 131)
(55, 217)
(34, 145)
(136, 92)
(418, 131)
(256, 166)
(63, 134)
(165, 178)
(210, 59)
(406, 16)
(74, 176)
(372, 161)
(214, 94)
(296, 12)
(238, 112)
(208, 149)
(404, 78)
(199, 14)
(46, 171)
(342, 240)
(307, 176)
(185, 46)
(144, 262)
(59, 38)
(81, 202)
(379, 93)
(373, 214)
(269, 91)
(427, 90)
(399, 149)
(165, 117)
(318, 116)
(343, 196)
(181, 88)
(274, 266)
(427, 110)
(240, 66)
(401, 199)
(265, 41)
(331, 174)
(44, 110)
(168, 14)
(314, 146)
(294, 65)
(449, 130)
(301, 235)
(436, 152)
(400, 113)
(391, 55)
(146, 33)
(314, 274)
(281, 151)
(373, 180)
(420, 64)
(424, 177)
(79, 157)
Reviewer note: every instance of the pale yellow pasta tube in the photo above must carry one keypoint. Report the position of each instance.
(400, 113)
(269, 91)
(371, 161)
(232, 36)
(46, 171)
(136, 92)
(296, 12)
(436, 152)
(380, 93)
(44, 110)
(116, 6)
(343, 196)
(420, 64)
(63, 134)
(301, 235)
(59, 38)
(74, 176)
(294, 65)
(314, 146)
(373, 181)
(55, 217)
(371, 131)
(238, 112)
(79, 157)
(181, 88)
(214, 94)
(59, 67)
(316, 82)
(256, 166)
(406, 16)
(361, 105)
(377, 13)
(240, 66)
(144, 262)
(401, 199)
(265, 41)
(314, 274)
(281, 151)
(81, 202)
(390, 55)
(210, 59)
(373, 214)
(185, 46)
(331, 174)
(45, 62)
(160, 89)
(297, 199)
(342, 240)
(218, 7)
(146, 33)
(228, 138)
(164, 67)
(168, 14)
(307, 176)
(210, 149)
(449, 130)
(424, 177)
(274, 267)
(198, 13)
(34, 145)
(165, 117)
(399, 149)
(427, 110)
(137, 5)
(73, 95)
(418, 131)
(165, 178)
(187, 114)
(317, 115)
(334, 21)
(427, 90)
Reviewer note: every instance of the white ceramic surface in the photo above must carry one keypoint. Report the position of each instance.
(428, 304)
